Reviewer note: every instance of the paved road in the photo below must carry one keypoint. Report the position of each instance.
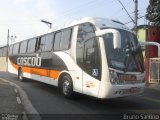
(10, 103)
(48, 102)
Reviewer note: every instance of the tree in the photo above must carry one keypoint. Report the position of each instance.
(153, 12)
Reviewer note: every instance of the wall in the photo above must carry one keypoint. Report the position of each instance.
(141, 34)
(3, 64)
(149, 33)
(153, 35)
(3, 54)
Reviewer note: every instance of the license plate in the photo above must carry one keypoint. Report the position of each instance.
(127, 77)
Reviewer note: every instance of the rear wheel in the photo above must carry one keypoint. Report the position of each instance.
(67, 86)
(20, 75)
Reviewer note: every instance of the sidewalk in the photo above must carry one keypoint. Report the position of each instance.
(153, 86)
(10, 103)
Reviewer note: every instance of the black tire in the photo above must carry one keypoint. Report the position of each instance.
(20, 75)
(67, 86)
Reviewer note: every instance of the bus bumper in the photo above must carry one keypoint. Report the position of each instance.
(116, 91)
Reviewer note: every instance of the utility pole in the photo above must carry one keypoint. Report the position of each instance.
(136, 16)
(8, 42)
(7, 57)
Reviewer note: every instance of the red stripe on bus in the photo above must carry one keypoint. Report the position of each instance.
(38, 71)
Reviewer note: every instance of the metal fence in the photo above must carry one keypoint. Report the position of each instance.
(154, 70)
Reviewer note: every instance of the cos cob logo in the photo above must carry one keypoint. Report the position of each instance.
(29, 61)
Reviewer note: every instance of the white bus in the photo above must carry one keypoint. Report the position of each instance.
(93, 56)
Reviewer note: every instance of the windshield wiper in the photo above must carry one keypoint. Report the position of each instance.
(138, 59)
(126, 62)
(133, 54)
(129, 54)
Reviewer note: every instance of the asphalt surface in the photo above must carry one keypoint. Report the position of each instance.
(50, 104)
(10, 103)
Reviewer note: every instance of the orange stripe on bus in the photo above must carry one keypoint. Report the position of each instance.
(38, 71)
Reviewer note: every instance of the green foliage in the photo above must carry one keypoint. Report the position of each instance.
(153, 12)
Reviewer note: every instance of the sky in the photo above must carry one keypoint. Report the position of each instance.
(23, 17)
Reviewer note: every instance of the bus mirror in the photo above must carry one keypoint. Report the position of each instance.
(116, 40)
(116, 36)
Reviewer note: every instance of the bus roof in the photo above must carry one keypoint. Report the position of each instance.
(100, 23)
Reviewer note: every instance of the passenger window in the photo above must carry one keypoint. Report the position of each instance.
(91, 59)
(45, 43)
(65, 39)
(23, 47)
(85, 32)
(42, 44)
(62, 40)
(57, 41)
(49, 42)
(87, 51)
(31, 45)
(16, 48)
(11, 50)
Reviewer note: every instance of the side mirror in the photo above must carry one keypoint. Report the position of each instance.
(116, 36)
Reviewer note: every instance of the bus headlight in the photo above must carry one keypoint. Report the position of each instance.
(113, 77)
(114, 80)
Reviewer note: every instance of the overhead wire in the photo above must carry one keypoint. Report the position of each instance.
(126, 11)
(141, 13)
(74, 13)
(131, 21)
(78, 8)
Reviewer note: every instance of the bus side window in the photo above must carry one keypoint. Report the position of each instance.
(62, 40)
(23, 47)
(38, 40)
(31, 45)
(65, 39)
(57, 41)
(91, 59)
(49, 42)
(16, 48)
(87, 51)
(42, 43)
(85, 32)
(11, 50)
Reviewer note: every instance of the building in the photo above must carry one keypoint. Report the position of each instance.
(150, 33)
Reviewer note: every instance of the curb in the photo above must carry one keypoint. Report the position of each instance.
(31, 112)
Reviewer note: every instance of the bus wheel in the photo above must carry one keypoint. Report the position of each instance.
(20, 75)
(67, 86)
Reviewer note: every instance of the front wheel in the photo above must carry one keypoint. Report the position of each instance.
(67, 86)
(20, 75)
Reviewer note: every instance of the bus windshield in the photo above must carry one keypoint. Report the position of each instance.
(128, 57)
